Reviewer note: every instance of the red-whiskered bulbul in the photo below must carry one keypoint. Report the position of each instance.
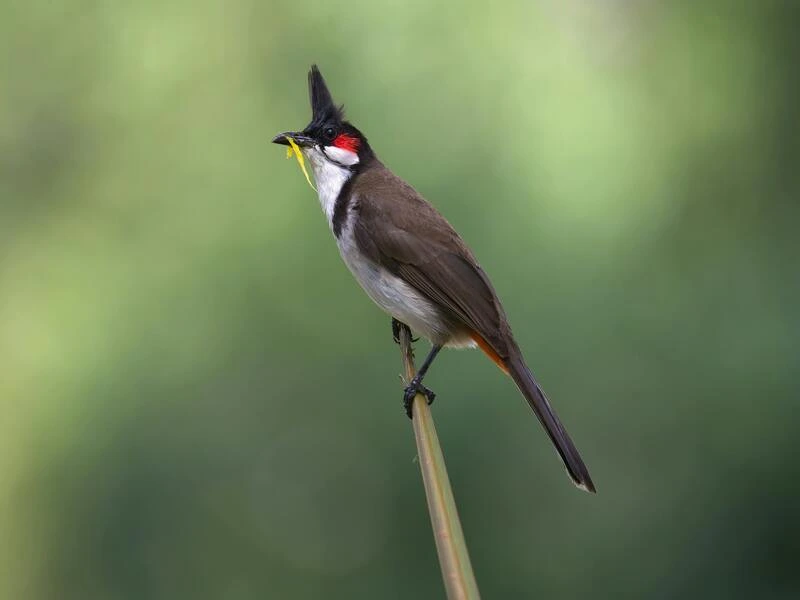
(411, 261)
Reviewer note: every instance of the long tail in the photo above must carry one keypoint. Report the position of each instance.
(527, 384)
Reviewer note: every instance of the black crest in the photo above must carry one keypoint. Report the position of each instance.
(322, 107)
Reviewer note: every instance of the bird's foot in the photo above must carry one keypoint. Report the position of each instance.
(412, 389)
(397, 326)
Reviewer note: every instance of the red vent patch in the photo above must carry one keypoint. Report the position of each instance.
(346, 142)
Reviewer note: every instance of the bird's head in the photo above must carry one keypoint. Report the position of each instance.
(329, 138)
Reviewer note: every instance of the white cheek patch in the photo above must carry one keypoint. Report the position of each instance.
(342, 156)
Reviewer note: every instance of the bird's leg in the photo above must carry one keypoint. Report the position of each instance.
(396, 326)
(416, 387)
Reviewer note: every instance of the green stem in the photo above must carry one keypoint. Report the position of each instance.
(459, 580)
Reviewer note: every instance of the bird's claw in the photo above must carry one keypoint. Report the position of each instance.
(397, 326)
(412, 389)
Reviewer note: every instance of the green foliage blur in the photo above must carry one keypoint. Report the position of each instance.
(199, 402)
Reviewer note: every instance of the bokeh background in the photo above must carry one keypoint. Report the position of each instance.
(197, 401)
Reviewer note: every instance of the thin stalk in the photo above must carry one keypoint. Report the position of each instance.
(459, 580)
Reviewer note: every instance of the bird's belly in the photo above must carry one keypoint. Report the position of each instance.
(399, 299)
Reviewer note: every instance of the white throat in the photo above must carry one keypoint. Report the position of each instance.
(330, 176)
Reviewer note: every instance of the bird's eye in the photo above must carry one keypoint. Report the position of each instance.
(329, 133)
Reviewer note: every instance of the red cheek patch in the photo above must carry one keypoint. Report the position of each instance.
(346, 142)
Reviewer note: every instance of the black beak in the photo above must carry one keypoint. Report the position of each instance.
(300, 139)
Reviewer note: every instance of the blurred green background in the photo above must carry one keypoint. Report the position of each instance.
(199, 402)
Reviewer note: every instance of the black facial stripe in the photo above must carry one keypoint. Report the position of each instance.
(341, 206)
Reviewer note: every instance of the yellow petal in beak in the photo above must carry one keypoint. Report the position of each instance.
(295, 149)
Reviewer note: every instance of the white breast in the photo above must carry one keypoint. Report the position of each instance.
(330, 179)
(389, 292)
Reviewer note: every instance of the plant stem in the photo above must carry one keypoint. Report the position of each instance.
(459, 580)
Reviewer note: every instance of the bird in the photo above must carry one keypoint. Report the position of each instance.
(411, 262)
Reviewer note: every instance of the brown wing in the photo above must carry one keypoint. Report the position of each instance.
(401, 231)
